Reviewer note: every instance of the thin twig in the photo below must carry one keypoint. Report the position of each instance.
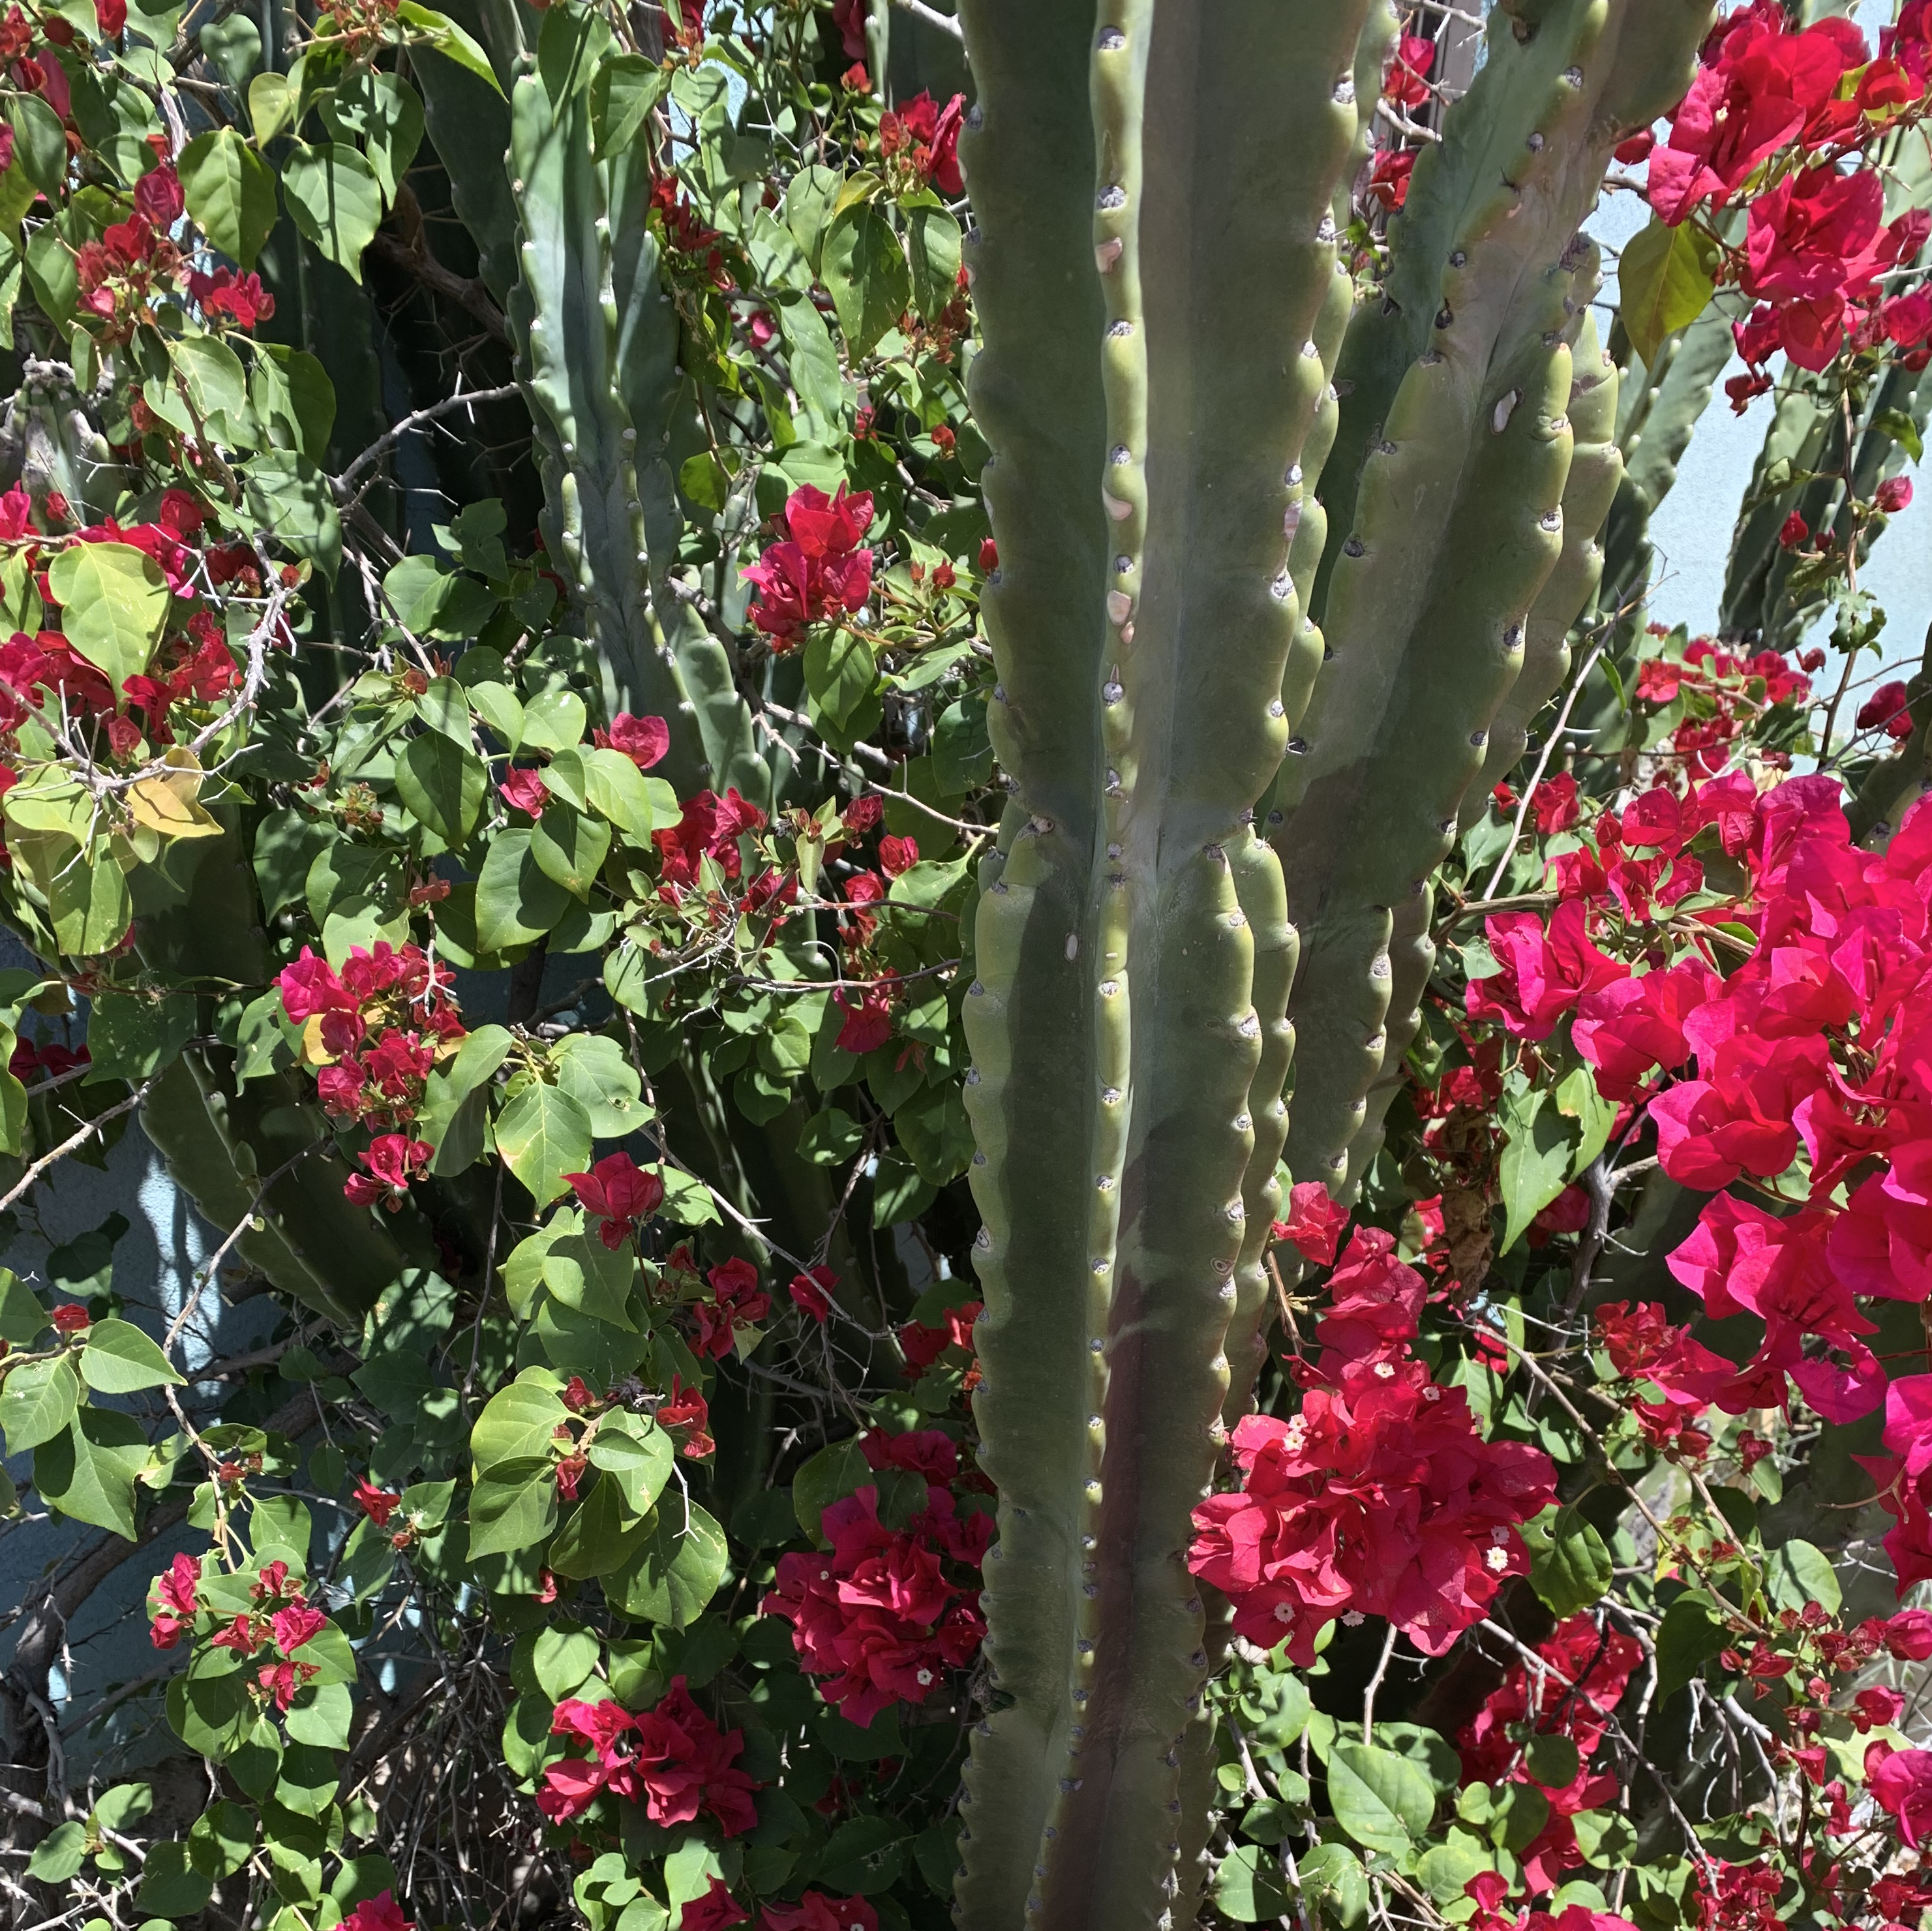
(68, 1144)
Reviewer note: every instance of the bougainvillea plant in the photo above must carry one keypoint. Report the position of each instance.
(1000, 1106)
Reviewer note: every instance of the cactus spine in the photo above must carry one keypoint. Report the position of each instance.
(1147, 418)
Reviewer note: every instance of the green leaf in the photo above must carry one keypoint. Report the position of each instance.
(554, 721)
(116, 1358)
(616, 788)
(22, 1319)
(442, 784)
(53, 272)
(673, 1577)
(584, 1273)
(230, 191)
(221, 1839)
(448, 40)
(1552, 1760)
(129, 1038)
(323, 1714)
(1569, 1568)
(216, 382)
(170, 1885)
(89, 1473)
(289, 497)
(933, 235)
(383, 114)
(1381, 1799)
(1665, 280)
(570, 847)
(516, 901)
(1690, 1636)
(601, 1535)
(1535, 1163)
(115, 600)
(1333, 1882)
(335, 200)
(517, 1422)
(1903, 430)
(512, 1507)
(1798, 1574)
(623, 91)
(1444, 1870)
(563, 1659)
(272, 106)
(37, 1400)
(543, 1134)
(1249, 1886)
(39, 144)
(636, 1454)
(60, 1854)
(593, 1071)
(864, 1857)
(865, 269)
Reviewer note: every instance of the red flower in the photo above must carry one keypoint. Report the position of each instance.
(1554, 805)
(377, 1504)
(818, 571)
(158, 201)
(1901, 1786)
(525, 789)
(717, 1910)
(989, 555)
(812, 1291)
(1636, 148)
(380, 1913)
(1627, 1026)
(738, 1302)
(848, 19)
(1543, 974)
(922, 1345)
(69, 1317)
(673, 1759)
(1406, 83)
(1380, 1497)
(869, 1018)
(178, 1591)
(619, 1194)
(1894, 494)
(1791, 534)
(898, 856)
(393, 1160)
(643, 740)
(295, 1626)
(1886, 708)
(1388, 178)
(876, 1617)
(815, 1911)
(1314, 1223)
(686, 1408)
(1585, 1671)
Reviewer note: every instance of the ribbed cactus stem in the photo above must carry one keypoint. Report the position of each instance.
(1596, 470)
(565, 311)
(1445, 489)
(1154, 194)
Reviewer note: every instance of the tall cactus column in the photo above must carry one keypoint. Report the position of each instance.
(1153, 191)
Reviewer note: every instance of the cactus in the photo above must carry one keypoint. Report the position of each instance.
(1446, 520)
(1134, 943)
(1143, 418)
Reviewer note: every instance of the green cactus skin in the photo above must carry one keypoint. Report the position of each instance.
(1444, 499)
(1149, 377)
(1596, 472)
(1658, 409)
(1895, 784)
(566, 312)
(1808, 432)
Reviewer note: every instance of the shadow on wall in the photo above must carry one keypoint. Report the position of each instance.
(114, 1226)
